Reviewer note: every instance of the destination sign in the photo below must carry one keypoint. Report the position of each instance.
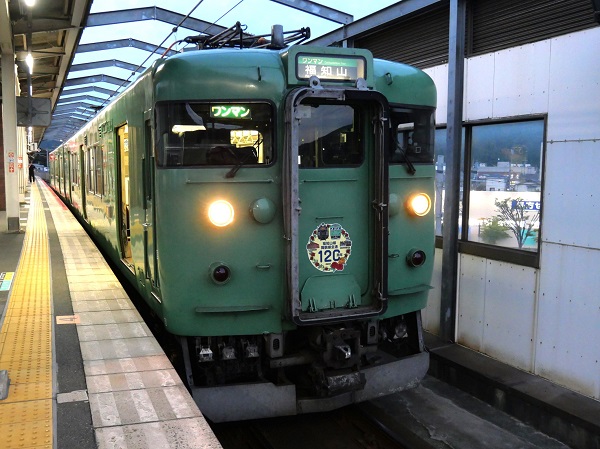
(332, 68)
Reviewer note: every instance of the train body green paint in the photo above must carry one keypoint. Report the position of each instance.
(313, 292)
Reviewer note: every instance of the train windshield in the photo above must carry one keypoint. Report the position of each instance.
(214, 134)
(329, 136)
(413, 131)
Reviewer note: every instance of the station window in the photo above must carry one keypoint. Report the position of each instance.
(501, 184)
(214, 134)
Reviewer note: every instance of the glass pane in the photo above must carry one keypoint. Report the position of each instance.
(328, 136)
(506, 180)
(441, 148)
(414, 135)
(191, 134)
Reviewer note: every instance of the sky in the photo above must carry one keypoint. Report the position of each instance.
(257, 15)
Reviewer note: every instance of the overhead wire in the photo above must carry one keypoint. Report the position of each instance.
(141, 65)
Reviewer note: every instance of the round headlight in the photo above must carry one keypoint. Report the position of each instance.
(419, 204)
(220, 213)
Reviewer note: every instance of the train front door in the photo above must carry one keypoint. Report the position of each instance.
(335, 222)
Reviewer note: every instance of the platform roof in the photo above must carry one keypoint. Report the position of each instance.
(86, 53)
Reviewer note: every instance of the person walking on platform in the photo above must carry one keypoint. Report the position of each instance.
(31, 173)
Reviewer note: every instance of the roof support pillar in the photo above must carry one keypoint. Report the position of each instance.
(9, 137)
(456, 60)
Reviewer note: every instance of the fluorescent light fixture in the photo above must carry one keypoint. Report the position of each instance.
(178, 129)
(30, 3)
(29, 61)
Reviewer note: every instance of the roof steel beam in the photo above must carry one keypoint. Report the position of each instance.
(121, 43)
(80, 11)
(75, 105)
(67, 100)
(318, 10)
(107, 63)
(42, 25)
(83, 90)
(73, 120)
(61, 115)
(152, 13)
(95, 79)
(375, 20)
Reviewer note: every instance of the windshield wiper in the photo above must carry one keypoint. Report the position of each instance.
(231, 173)
(410, 168)
(249, 155)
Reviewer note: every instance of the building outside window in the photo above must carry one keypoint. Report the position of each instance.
(501, 183)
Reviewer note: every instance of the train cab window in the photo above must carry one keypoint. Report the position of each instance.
(329, 136)
(214, 134)
(412, 136)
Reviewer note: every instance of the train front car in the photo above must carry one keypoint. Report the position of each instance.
(293, 231)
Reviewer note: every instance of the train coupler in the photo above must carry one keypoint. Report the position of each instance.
(330, 383)
(341, 348)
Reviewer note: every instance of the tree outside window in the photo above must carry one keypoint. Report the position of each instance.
(505, 184)
(504, 180)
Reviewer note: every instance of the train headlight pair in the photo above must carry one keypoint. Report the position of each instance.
(221, 212)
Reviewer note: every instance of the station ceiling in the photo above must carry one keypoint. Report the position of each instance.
(85, 53)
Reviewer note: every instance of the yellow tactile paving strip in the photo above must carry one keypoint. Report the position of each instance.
(26, 341)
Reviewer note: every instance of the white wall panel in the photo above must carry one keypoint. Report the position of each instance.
(508, 330)
(431, 314)
(571, 197)
(574, 106)
(567, 344)
(479, 87)
(439, 75)
(521, 80)
(554, 332)
(471, 301)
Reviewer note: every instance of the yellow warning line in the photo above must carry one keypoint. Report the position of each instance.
(26, 341)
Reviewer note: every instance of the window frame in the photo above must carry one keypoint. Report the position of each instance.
(489, 251)
(158, 153)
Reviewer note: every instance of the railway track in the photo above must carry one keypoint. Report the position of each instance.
(347, 428)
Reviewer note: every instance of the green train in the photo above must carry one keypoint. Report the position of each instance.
(274, 208)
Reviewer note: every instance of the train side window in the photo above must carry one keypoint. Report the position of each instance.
(413, 135)
(214, 134)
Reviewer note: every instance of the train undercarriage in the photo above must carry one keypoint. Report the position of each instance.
(311, 369)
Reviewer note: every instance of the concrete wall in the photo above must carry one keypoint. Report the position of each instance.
(547, 320)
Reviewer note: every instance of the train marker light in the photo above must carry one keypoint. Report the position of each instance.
(263, 210)
(220, 213)
(419, 204)
(219, 273)
(416, 257)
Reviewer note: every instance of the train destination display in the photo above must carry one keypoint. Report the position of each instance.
(331, 68)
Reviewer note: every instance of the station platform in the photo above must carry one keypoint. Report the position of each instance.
(79, 368)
